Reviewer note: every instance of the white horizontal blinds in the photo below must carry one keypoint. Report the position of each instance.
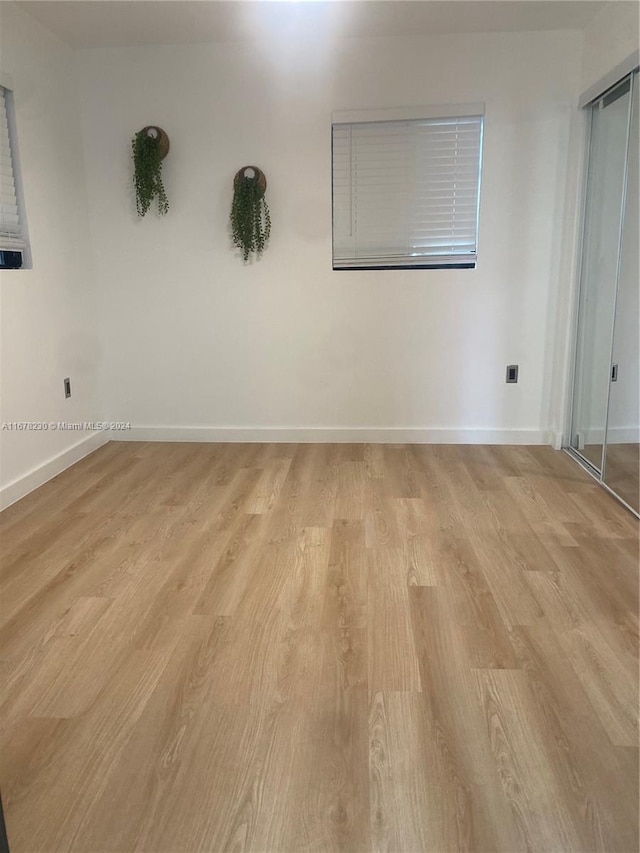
(11, 235)
(406, 192)
(343, 232)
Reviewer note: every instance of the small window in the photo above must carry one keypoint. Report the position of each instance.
(406, 190)
(13, 233)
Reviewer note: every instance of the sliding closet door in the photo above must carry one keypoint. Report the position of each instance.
(622, 458)
(599, 271)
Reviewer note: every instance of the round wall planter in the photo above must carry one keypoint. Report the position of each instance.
(158, 133)
(241, 173)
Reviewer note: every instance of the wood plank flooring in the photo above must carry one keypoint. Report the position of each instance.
(319, 648)
(622, 473)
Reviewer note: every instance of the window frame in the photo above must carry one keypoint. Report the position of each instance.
(6, 83)
(408, 114)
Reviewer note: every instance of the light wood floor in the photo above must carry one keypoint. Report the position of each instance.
(622, 469)
(319, 647)
(622, 472)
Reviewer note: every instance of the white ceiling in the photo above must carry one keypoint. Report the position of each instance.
(101, 23)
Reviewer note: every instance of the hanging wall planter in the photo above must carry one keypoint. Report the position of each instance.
(250, 219)
(149, 148)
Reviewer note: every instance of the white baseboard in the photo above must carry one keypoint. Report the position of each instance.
(616, 435)
(20, 487)
(557, 440)
(338, 435)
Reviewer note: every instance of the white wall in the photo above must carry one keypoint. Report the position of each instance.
(48, 313)
(199, 340)
(609, 39)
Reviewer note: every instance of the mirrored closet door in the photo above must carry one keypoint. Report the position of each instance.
(605, 423)
(622, 450)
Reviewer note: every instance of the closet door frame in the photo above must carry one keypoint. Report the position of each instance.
(598, 475)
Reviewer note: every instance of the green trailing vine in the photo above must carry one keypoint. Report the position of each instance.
(250, 218)
(147, 161)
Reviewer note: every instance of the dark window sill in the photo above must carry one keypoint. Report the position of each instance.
(10, 260)
(410, 267)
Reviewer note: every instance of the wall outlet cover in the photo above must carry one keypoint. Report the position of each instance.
(512, 373)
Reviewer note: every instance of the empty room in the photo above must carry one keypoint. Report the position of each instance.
(320, 426)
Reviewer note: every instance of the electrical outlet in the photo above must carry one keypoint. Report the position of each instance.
(512, 373)
(67, 387)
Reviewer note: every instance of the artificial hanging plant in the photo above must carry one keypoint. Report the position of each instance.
(250, 219)
(149, 148)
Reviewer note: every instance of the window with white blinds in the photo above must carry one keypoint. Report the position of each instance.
(406, 192)
(12, 232)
